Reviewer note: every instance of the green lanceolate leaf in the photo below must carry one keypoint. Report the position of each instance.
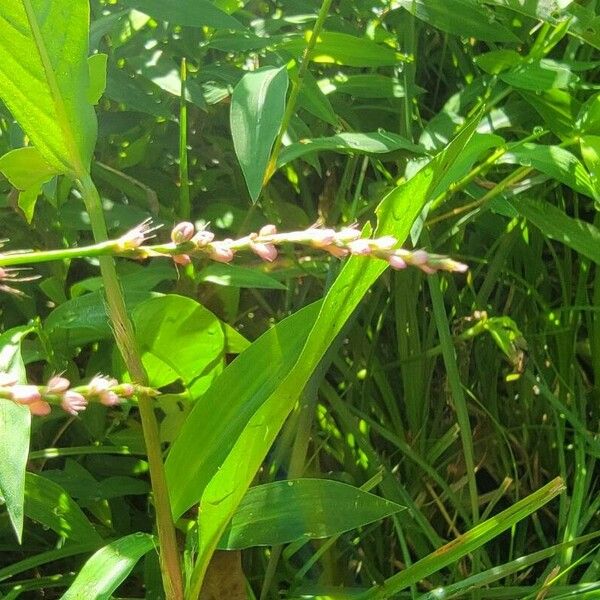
(285, 511)
(49, 504)
(271, 405)
(15, 422)
(44, 78)
(236, 276)
(192, 13)
(105, 570)
(257, 107)
(378, 142)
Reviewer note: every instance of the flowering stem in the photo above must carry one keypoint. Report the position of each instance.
(125, 339)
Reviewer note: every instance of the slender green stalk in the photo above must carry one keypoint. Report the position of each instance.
(185, 208)
(296, 87)
(125, 339)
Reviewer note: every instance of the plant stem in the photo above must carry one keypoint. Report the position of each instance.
(125, 339)
(296, 87)
(185, 208)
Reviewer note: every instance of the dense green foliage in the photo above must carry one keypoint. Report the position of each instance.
(348, 429)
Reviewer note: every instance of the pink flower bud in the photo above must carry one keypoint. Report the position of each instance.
(126, 390)
(396, 262)
(58, 385)
(267, 252)
(360, 247)
(427, 269)
(39, 408)
(221, 252)
(348, 234)
(419, 257)
(320, 238)
(203, 238)
(182, 232)
(109, 398)
(182, 259)
(387, 242)
(73, 402)
(25, 394)
(336, 250)
(267, 230)
(7, 379)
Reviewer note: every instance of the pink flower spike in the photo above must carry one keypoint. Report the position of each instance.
(182, 232)
(39, 408)
(396, 262)
(7, 379)
(109, 398)
(267, 230)
(360, 247)
(58, 385)
(221, 252)
(25, 394)
(336, 250)
(100, 384)
(73, 402)
(267, 252)
(182, 259)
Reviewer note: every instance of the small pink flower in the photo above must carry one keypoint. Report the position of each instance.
(136, 236)
(267, 252)
(360, 247)
(109, 398)
(25, 394)
(320, 238)
(336, 250)
(203, 238)
(396, 262)
(221, 252)
(100, 384)
(73, 402)
(7, 379)
(182, 232)
(182, 259)
(387, 242)
(39, 408)
(58, 385)
(267, 230)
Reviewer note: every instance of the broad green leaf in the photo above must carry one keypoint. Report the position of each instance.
(285, 511)
(554, 161)
(257, 107)
(27, 170)
(496, 61)
(15, 424)
(106, 569)
(215, 423)
(97, 66)
(236, 276)
(582, 237)
(359, 143)
(190, 13)
(590, 151)
(466, 543)
(545, 74)
(313, 99)
(460, 17)
(588, 119)
(247, 449)
(49, 504)
(557, 108)
(364, 86)
(343, 49)
(178, 337)
(44, 78)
